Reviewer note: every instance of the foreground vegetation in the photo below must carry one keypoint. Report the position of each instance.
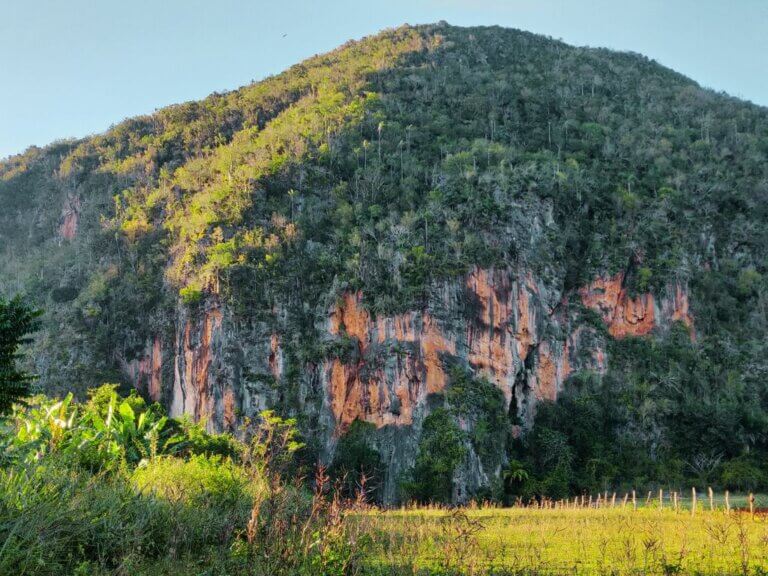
(112, 486)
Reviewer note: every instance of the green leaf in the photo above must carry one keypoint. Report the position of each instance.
(127, 412)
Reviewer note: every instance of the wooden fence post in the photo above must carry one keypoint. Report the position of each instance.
(661, 498)
(634, 500)
(693, 501)
(711, 499)
(751, 505)
(727, 501)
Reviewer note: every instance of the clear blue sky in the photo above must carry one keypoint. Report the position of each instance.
(74, 67)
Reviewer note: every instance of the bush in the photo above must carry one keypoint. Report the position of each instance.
(742, 474)
(54, 517)
(165, 514)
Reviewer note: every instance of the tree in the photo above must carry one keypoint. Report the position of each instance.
(17, 321)
(441, 450)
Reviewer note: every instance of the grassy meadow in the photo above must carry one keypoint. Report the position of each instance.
(568, 541)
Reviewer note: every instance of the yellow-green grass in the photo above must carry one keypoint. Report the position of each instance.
(568, 541)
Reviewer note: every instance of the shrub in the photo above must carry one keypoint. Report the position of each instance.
(742, 474)
(356, 459)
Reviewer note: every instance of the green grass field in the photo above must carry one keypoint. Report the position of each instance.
(568, 541)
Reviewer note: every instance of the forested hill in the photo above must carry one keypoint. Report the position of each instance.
(449, 251)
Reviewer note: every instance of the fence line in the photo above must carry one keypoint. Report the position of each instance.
(673, 499)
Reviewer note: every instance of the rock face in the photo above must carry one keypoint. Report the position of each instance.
(638, 316)
(374, 388)
(503, 325)
(70, 217)
(145, 373)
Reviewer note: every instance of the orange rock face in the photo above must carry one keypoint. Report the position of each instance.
(624, 316)
(496, 342)
(551, 371)
(627, 316)
(146, 373)
(506, 329)
(352, 318)
(275, 356)
(433, 344)
(525, 334)
(70, 217)
(490, 338)
(156, 379)
(230, 421)
(384, 396)
(399, 360)
(191, 387)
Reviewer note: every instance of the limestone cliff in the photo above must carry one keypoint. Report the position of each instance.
(503, 325)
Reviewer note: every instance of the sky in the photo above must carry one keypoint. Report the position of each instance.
(69, 68)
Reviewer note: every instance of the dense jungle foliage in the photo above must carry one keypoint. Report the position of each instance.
(406, 158)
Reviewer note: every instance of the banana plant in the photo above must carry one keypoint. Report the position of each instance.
(95, 435)
(123, 433)
(43, 426)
